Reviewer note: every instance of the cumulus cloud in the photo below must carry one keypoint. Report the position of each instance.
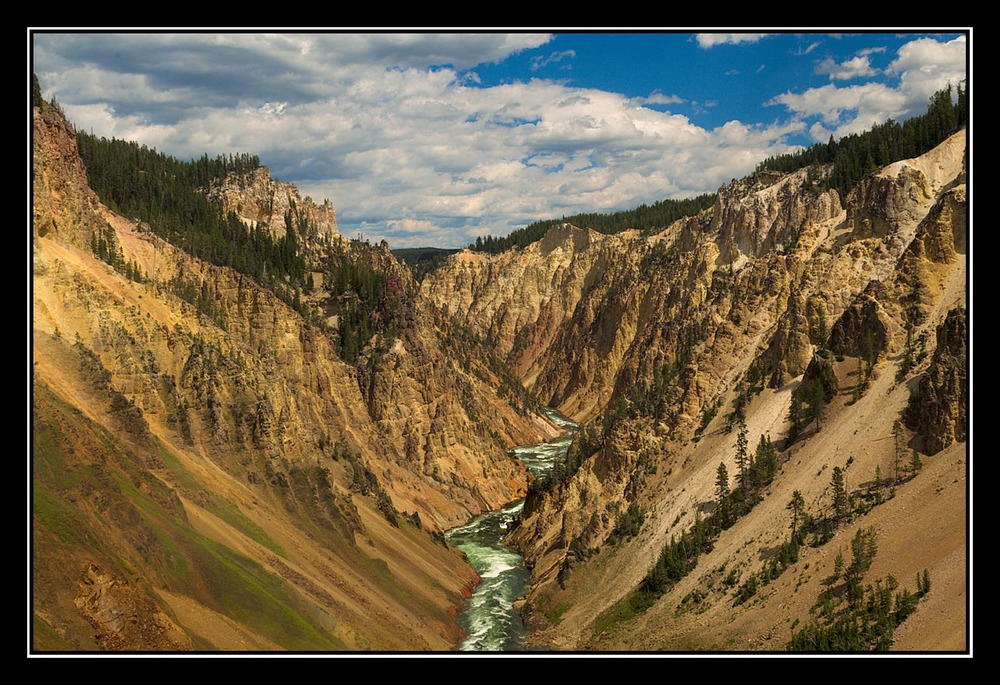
(819, 133)
(407, 142)
(856, 67)
(926, 65)
(923, 66)
(556, 151)
(871, 102)
(708, 40)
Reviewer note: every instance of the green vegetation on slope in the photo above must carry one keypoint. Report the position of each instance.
(168, 195)
(357, 290)
(94, 500)
(680, 556)
(644, 217)
(189, 487)
(852, 617)
(855, 156)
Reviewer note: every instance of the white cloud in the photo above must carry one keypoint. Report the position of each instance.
(555, 58)
(406, 149)
(928, 54)
(558, 151)
(413, 50)
(819, 133)
(708, 40)
(926, 65)
(658, 98)
(923, 66)
(856, 67)
(832, 102)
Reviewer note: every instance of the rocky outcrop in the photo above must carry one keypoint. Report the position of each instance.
(942, 235)
(820, 376)
(666, 328)
(446, 426)
(520, 298)
(754, 214)
(64, 207)
(260, 200)
(863, 330)
(249, 411)
(580, 514)
(790, 347)
(877, 207)
(939, 245)
(938, 411)
(900, 195)
(123, 618)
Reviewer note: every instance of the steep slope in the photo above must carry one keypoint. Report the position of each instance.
(223, 465)
(746, 309)
(205, 462)
(520, 299)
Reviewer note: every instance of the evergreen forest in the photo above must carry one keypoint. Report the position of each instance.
(167, 195)
(852, 158)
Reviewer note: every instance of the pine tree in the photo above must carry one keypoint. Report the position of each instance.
(742, 452)
(870, 353)
(822, 332)
(857, 386)
(818, 401)
(796, 505)
(899, 449)
(766, 461)
(864, 545)
(722, 490)
(795, 416)
(36, 92)
(962, 108)
(839, 493)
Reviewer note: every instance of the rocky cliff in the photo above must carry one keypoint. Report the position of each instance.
(660, 343)
(260, 200)
(217, 439)
(195, 431)
(938, 409)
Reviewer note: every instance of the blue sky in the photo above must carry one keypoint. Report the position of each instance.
(436, 138)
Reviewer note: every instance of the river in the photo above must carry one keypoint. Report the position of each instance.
(490, 620)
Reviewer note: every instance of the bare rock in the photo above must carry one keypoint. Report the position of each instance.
(863, 329)
(939, 409)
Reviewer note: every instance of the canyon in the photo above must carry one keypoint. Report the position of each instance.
(213, 472)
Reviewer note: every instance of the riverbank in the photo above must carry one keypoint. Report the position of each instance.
(492, 621)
